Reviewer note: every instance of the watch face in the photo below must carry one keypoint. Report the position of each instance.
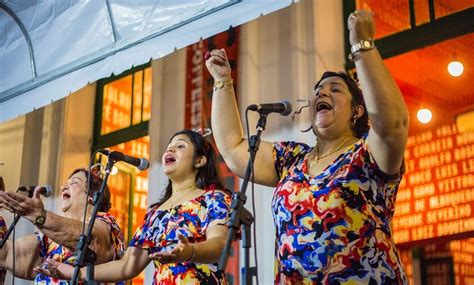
(40, 220)
(366, 44)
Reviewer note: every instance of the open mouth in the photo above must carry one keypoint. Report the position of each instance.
(169, 159)
(66, 196)
(323, 106)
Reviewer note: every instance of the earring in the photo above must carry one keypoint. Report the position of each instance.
(354, 121)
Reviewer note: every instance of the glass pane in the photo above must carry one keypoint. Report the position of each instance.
(422, 12)
(116, 107)
(390, 16)
(129, 180)
(137, 96)
(147, 89)
(446, 7)
(119, 186)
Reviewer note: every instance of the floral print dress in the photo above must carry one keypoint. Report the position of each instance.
(159, 233)
(50, 249)
(334, 228)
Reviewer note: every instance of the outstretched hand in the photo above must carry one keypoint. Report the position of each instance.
(55, 269)
(218, 64)
(361, 26)
(23, 205)
(184, 251)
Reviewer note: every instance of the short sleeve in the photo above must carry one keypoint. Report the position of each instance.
(286, 154)
(386, 183)
(141, 238)
(375, 169)
(43, 243)
(115, 234)
(218, 209)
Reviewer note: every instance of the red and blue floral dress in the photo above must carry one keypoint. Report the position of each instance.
(59, 253)
(334, 228)
(160, 229)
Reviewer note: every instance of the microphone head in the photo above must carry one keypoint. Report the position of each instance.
(47, 190)
(288, 108)
(144, 164)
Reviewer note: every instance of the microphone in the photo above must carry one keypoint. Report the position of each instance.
(45, 190)
(140, 163)
(283, 107)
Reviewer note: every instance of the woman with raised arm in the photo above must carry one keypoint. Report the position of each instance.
(185, 232)
(333, 202)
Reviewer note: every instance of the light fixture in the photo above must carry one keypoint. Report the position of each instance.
(424, 115)
(455, 68)
(114, 170)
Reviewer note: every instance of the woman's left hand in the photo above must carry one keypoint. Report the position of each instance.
(361, 26)
(182, 252)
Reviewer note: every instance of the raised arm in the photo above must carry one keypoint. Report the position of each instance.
(60, 229)
(227, 126)
(26, 256)
(385, 106)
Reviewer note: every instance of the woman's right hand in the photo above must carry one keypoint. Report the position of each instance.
(55, 269)
(218, 64)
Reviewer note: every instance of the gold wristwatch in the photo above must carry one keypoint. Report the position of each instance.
(41, 219)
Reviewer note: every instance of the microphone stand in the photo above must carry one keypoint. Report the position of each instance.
(85, 255)
(239, 215)
(12, 226)
(9, 231)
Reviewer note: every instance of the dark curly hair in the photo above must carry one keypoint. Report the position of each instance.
(361, 126)
(208, 174)
(94, 186)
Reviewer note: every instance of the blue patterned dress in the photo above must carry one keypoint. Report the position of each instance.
(159, 233)
(334, 228)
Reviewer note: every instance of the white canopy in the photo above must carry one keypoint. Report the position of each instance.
(52, 48)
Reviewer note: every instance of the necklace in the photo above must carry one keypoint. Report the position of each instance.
(182, 197)
(184, 188)
(317, 157)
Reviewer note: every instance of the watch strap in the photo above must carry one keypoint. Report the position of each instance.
(41, 219)
(362, 45)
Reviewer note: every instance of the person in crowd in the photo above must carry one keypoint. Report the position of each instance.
(334, 201)
(57, 235)
(185, 231)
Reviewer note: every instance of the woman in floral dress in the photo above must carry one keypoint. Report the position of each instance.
(183, 233)
(334, 201)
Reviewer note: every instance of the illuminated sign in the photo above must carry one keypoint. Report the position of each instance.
(436, 196)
